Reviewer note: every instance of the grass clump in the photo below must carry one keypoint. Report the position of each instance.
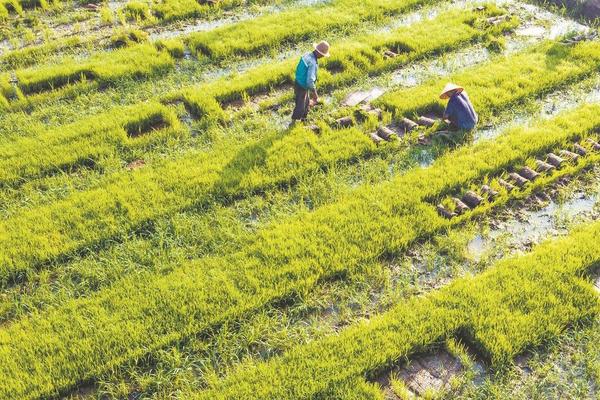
(137, 11)
(18, 6)
(175, 47)
(128, 37)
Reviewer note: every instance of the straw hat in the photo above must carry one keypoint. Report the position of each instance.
(322, 48)
(450, 87)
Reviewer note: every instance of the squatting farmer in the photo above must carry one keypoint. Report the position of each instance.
(305, 89)
(459, 112)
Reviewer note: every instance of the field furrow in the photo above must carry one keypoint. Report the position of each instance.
(518, 303)
(68, 147)
(353, 59)
(169, 232)
(284, 260)
(218, 175)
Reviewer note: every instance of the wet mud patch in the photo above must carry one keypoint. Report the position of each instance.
(135, 164)
(423, 375)
(544, 214)
(267, 100)
(79, 166)
(430, 372)
(146, 126)
(84, 391)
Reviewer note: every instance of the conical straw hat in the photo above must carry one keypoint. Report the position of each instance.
(322, 48)
(449, 88)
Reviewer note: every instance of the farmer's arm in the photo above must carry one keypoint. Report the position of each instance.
(449, 111)
(311, 80)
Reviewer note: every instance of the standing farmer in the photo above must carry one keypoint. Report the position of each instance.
(305, 90)
(459, 111)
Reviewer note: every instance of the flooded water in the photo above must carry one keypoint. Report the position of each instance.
(417, 73)
(537, 25)
(527, 227)
(198, 25)
(549, 106)
(426, 158)
(555, 27)
(204, 24)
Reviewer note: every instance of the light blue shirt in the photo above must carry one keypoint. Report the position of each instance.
(306, 71)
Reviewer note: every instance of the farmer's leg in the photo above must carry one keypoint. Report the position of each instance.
(301, 99)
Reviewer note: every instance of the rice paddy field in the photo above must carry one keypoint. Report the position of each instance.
(167, 234)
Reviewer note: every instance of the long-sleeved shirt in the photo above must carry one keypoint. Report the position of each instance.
(306, 71)
(460, 111)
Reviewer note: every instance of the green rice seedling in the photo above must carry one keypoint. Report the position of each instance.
(172, 10)
(198, 178)
(83, 143)
(175, 47)
(6, 90)
(137, 11)
(355, 389)
(106, 16)
(517, 304)
(351, 60)
(128, 37)
(136, 61)
(34, 54)
(272, 31)
(18, 6)
(10, 5)
(291, 257)
(504, 80)
(241, 171)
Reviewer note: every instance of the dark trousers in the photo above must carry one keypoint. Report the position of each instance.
(302, 102)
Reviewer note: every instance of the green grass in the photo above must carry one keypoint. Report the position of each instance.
(171, 10)
(86, 143)
(34, 54)
(17, 6)
(287, 258)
